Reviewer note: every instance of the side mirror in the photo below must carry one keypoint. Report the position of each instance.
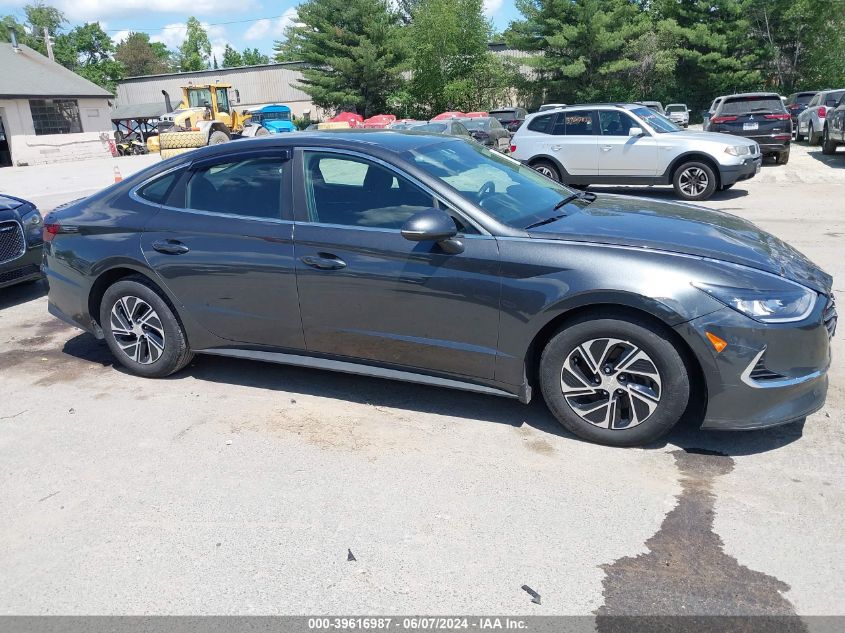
(635, 131)
(433, 225)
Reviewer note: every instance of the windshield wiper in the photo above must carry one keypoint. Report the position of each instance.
(587, 196)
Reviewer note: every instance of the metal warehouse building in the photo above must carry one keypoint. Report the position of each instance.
(254, 85)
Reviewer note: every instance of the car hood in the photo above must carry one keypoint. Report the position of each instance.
(686, 229)
(711, 137)
(8, 203)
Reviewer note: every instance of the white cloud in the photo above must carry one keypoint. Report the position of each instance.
(92, 10)
(274, 28)
(491, 7)
(118, 37)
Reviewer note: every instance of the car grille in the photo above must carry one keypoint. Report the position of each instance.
(18, 273)
(12, 243)
(830, 316)
(762, 373)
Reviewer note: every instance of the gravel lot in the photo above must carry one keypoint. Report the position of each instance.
(237, 487)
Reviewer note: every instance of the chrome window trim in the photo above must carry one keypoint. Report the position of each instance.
(415, 181)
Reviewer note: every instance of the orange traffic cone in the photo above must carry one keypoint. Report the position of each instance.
(117, 176)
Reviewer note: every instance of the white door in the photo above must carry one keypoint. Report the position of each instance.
(574, 142)
(621, 154)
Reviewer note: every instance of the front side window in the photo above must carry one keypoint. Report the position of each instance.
(615, 123)
(351, 191)
(508, 191)
(199, 98)
(249, 188)
(55, 116)
(223, 100)
(459, 129)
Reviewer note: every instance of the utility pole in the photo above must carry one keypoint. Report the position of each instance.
(49, 42)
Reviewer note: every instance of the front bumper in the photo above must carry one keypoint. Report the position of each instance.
(27, 267)
(729, 174)
(769, 374)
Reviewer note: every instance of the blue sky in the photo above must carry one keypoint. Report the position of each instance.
(225, 19)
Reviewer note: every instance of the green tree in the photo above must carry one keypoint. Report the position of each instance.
(140, 57)
(352, 50)
(89, 51)
(253, 57)
(451, 66)
(195, 51)
(38, 16)
(232, 58)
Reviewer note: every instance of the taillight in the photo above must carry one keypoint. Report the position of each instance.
(513, 148)
(778, 117)
(723, 119)
(50, 230)
(822, 112)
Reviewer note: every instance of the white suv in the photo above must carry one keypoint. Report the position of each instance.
(630, 144)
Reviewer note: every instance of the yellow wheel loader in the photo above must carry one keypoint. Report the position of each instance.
(205, 116)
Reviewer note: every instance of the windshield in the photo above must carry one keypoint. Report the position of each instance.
(504, 115)
(431, 127)
(805, 98)
(676, 108)
(656, 121)
(507, 190)
(476, 124)
(275, 116)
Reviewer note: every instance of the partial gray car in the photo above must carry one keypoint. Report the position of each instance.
(678, 113)
(811, 120)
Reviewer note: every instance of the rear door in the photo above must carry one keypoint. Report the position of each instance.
(574, 142)
(762, 118)
(621, 154)
(222, 244)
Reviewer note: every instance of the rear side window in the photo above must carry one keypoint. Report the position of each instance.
(250, 188)
(804, 99)
(834, 96)
(575, 123)
(541, 123)
(157, 190)
(750, 105)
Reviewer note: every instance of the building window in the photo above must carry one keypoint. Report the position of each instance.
(55, 116)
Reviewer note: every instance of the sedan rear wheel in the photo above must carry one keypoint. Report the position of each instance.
(694, 181)
(141, 329)
(614, 381)
(813, 137)
(828, 147)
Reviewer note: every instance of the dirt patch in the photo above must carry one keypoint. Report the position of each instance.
(78, 357)
(687, 573)
(533, 443)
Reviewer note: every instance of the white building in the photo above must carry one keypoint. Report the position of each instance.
(48, 113)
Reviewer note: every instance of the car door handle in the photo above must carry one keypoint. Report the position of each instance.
(556, 148)
(170, 247)
(323, 261)
(606, 148)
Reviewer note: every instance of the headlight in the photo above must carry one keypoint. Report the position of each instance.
(32, 223)
(737, 150)
(784, 305)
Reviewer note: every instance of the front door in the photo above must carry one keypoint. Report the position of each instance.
(366, 292)
(621, 154)
(222, 247)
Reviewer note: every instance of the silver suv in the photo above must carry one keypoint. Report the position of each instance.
(630, 144)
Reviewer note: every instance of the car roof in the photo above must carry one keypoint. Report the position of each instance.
(752, 94)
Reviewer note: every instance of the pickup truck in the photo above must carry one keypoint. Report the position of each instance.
(834, 128)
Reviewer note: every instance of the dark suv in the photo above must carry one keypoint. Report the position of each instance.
(759, 116)
(797, 102)
(834, 128)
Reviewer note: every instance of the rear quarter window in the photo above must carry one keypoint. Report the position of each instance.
(157, 190)
(541, 123)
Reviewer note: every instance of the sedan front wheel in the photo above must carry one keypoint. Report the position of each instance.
(614, 381)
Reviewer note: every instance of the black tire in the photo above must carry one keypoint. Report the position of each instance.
(548, 169)
(699, 177)
(798, 136)
(812, 135)
(828, 146)
(218, 137)
(655, 341)
(782, 158)
(175, 355)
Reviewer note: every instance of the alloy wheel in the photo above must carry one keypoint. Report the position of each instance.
(611, 383)
(546, 171)
(137, 330)
(693, 181)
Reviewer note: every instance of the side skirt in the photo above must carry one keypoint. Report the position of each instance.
(313, 362)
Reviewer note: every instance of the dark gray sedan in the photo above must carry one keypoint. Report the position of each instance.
(434, 260)
(20, 241)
